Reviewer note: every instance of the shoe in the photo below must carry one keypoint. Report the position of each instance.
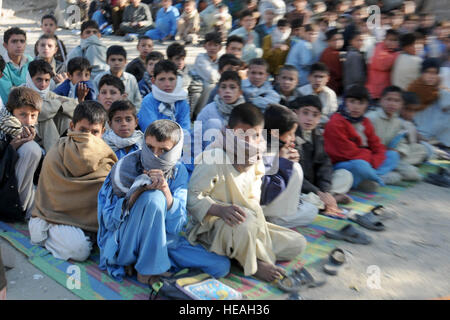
(368, 186)
(130, 37)
(391, 178)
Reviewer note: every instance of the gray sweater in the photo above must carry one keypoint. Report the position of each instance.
(141, 13)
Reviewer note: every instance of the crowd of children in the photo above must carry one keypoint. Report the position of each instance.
(99, 151)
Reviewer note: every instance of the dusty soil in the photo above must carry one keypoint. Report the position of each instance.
(413, 254)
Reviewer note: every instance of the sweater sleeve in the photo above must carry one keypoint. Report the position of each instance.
(273, 185)
(176, 216)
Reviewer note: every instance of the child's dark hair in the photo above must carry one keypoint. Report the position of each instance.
(121, 105)
(319, 67)
(165, 66)
(283, 23)
(287, 67)
(306, 101)
(154, 56)
(12, 31)
(234, 38)
(90, 110)
(164, 130)
(230, 75)
(78, 64)
(175, 50)
(246, 113)
(297, 23)
(430, 63)
(392, 32)
(2, 64)
(278, 117)
(89, 24)
(48, 37)
(116, 50)
(246, 13)
(259, 62)
(49, 16)
(40, 66)
(23, 96)
(354, 34)
(214, 37)
(410, 98)
(390, 89)
(113, 81)
(407, 40)
(357, 92)
(143, 37)
(310, 27)
(229, 59)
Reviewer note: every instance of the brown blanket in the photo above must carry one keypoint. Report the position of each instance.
(72, 174)
(427, 94)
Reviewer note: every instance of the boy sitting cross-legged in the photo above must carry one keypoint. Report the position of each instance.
(142, 209)
(352, 144)
(116, 57)
(57, 111)
(73, 171)
(145, 85)
(167, 100)
(19, 154)
(257, 90)
(319, 177)
(123, 137)
(224, 200)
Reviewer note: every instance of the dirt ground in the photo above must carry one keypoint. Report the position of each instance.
(412, 255)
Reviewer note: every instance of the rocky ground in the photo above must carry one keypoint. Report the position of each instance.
(412, 255)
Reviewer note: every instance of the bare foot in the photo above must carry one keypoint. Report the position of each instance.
(151, 279)
(268, 272)
(129, 270)
(342, 198)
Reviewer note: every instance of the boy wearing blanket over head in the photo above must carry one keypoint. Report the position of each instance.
(224, 200)
(142, 210)
(72, 173)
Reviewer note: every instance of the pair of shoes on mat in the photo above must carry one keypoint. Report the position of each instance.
(336, 259)
(441, 179)
(297, 280)
(350, 234)
(368, 220)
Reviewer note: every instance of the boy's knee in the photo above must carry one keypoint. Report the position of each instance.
(221, 267)
(31, 150)
(361, 166)
(392, 155)
(68, 242)
(154, 199)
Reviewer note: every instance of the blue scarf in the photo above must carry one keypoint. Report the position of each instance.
(343, 111)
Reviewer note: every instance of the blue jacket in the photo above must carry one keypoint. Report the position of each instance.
(64, 88)
(302, 57)
(273, 185)
(149, 112)
(120, 153)
(144, 88)
(166, 21)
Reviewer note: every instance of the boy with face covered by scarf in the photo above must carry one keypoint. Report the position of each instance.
(224, 200)
(142, 209)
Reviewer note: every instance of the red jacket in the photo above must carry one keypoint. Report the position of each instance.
(332, 59)
(343, 143)
(379, 70)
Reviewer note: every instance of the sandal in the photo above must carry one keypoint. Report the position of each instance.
(349, 233)
(368, 221)
(306, 279)
(335, 260)
(288, 284)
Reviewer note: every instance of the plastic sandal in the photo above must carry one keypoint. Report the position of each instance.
(368, 221)
(349, 233)
(306, 279)
(336, 259)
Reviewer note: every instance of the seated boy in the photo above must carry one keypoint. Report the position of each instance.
(318, 174)
(227, 62)
(144, 200)
(110, 89)
(318, 79)
(354, 67)
(352, 144)
(206, 71)
(19, 154)
(65, 215)
(91, 48)
(235, 45)
(389, 128)
(116, 57)
(406, 67)
(123, 137)
(49, 24)
(252, 47)
(177, 54)
(47, 47)
(167, 100)
(136, 19)
(188, 24)
(216, 114)
(257, 90)
(16, 69)
(78, 84)
(281, 190)
(57, 111)
(286, 84)
(137, 66)
(276, 46)
(331, 57)
(145, 85)
(166, 22)
(224, 201)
